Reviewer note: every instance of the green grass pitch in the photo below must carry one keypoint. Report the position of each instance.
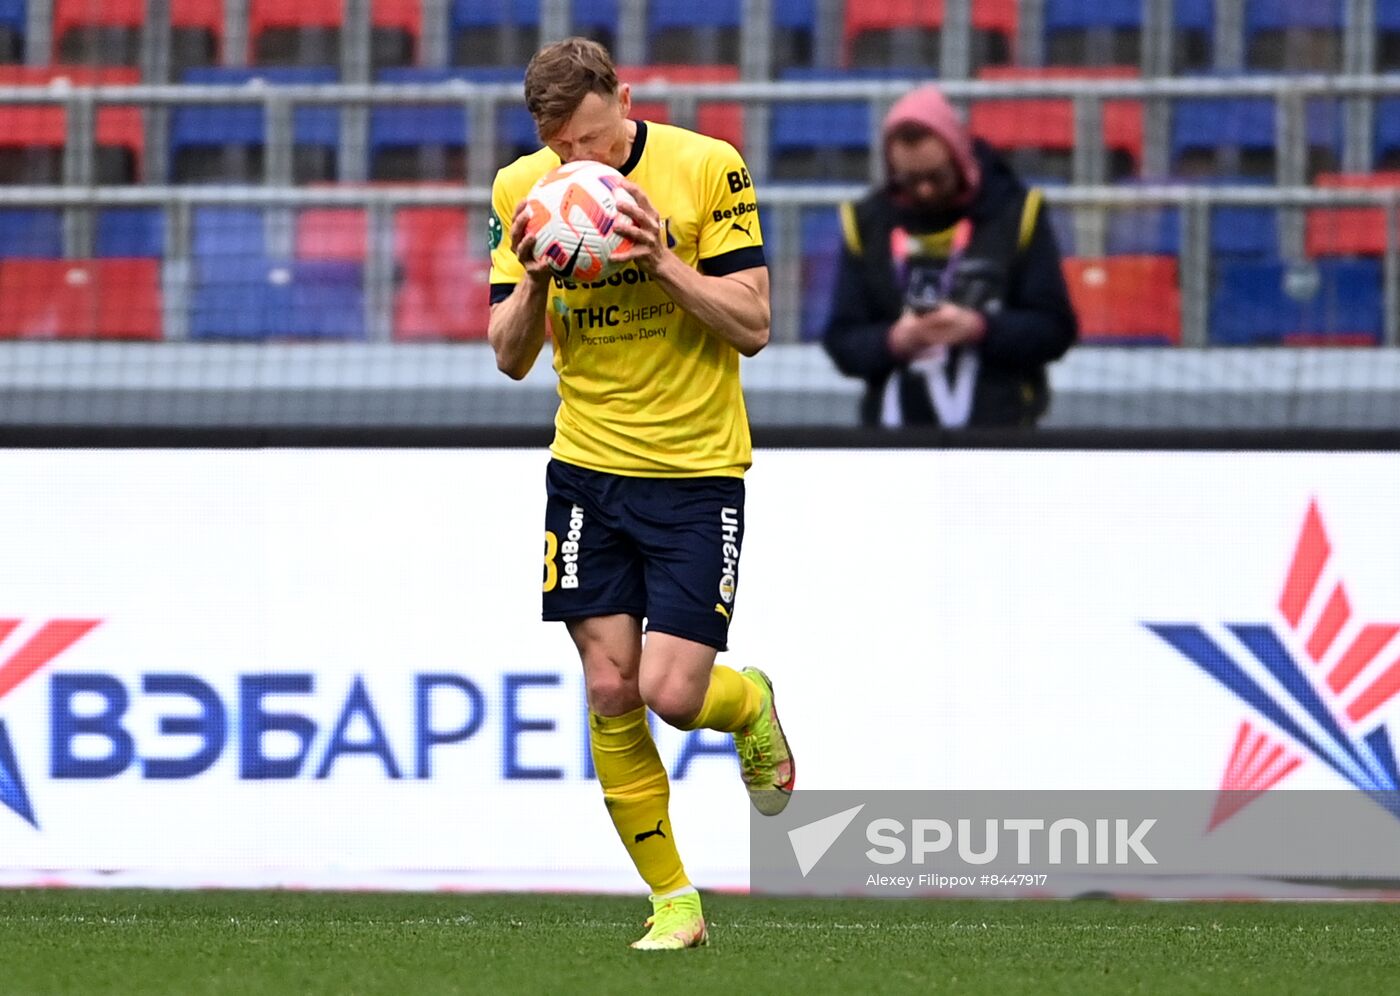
(290, 942)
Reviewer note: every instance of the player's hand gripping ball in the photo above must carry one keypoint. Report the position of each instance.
(572, 212)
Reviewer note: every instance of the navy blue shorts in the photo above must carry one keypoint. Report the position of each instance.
(662, 549)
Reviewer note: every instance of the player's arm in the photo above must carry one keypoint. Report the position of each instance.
(729, 293)
(516, 328)
(733, 307)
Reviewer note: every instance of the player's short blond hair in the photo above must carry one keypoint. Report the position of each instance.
(561, 75)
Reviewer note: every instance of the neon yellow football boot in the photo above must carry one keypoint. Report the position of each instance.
(765, 762)
(676, 923)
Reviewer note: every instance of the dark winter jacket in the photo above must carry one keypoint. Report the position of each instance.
(1029, 318)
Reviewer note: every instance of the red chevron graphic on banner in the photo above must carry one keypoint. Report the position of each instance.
(1254, 767)
(52, 639)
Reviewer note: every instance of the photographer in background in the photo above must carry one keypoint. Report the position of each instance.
(950, 299)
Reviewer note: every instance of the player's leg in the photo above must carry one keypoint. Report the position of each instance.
(635, 787)
(593, 582)
(691, 535)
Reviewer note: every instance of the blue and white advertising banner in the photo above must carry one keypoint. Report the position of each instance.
(326, 667)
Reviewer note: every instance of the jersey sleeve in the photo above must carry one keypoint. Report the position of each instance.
(506, 270)
(730, 238)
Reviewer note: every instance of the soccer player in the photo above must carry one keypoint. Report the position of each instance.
(644, 513)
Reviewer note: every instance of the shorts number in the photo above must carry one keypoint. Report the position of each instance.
(551, 569)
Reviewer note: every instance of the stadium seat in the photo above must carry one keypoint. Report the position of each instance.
(33, 137)
(507, 32)
(1062, 228)
(682, 31)
(268, 299)
(872, 33)
(1126, 299)
(307, 32)
(1349, 231)
(226, 143)
(1235, 230)
(14, 26)
(1336, 302)
(1387, 36)
(34, 233)
(442, 292)
(822, 139)
(80, 299)
(332, 233)
(724, 121)
(1388, 133)
(108, 32)
(445, 291)
(1203, 128)
(1109, 33)
(1295, 35)
(1045, 128)
(821, 257)
(130, 232)
(433, 141)
(223, 232)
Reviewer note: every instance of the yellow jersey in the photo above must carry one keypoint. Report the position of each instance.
(644, 389)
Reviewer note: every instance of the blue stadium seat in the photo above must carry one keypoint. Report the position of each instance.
(1387, 36)
(1067, 22)
(1252, 303)
(397, 133)
(1318, 23)
(824, 140)
(205, 129)
(1276, 15)
(821, 255)
(1388, 133)
(130, 233)
(478, 39)
(1234, 230)
(32, 233)
(798, 15)
(1202, 126)
(680, 31)
(1062, 225)
(220, 232)
(14, 20)
(260, 299)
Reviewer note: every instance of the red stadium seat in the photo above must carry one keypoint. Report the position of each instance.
(108, 31)
(43, 126)
(80, 299)
(870, 25)
(76, 75)
(1351, 231)
(273, 27)
(724, 121)
(446, 291)
(1049, 124)
(332, 233)
(1126, 299)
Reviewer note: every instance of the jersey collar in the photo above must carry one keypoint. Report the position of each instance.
(639, 142)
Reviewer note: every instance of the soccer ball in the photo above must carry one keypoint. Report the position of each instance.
(572, 212)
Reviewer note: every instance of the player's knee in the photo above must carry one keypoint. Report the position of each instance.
(609, 692)
(672, 698)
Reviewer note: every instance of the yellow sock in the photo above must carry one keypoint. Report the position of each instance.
(636, 792)
(731, 702)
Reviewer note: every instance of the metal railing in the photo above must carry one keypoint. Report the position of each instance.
(784, 203)
(481, 102)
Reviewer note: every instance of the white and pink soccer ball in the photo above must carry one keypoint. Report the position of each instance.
(573, 214)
